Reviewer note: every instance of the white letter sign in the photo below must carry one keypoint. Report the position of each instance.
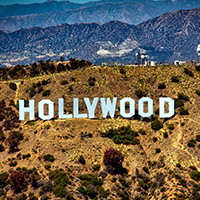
(29, 109)
(109, 107)
(162, 107)
(50, 109)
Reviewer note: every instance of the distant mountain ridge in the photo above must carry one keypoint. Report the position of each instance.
(51, 13)
(128, 12)
(53, 6)
(37, 8)
(168, 37)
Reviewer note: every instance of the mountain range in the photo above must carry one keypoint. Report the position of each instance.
(168, 37)
(50, 6)
(51, 13)
(128, 12)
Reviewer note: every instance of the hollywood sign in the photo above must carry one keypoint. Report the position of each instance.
(107, 107)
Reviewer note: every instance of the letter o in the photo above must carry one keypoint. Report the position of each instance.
(50, 109)
(122, 107)
(141, 107)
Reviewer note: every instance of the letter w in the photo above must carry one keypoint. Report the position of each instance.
(109, 107)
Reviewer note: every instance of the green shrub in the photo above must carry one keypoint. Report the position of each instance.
(59, 191)
(156, 125)
(64, 82)
(13, 140)
(91, 191)
(2, 148)
(178, 103)
(92, 81)
(44, 82)
(47, 166)
(49, 157)
(182, 182)
(198, 92)
(2, 193)
(191, 143)
(41, 192)
(103, 174)
(60, 177)
(140, 93)
(38, 84)
(46, 93)
(48, 126)
(102, 192)
(161, 86)
(13, 86)
(4, 179)
(195, 175)
(44, 197)
(33, 197)
(163, 189)
(124, 135)
(122, 71)
(82, 190)
(40, 89)
(26, 155)
(48, 187)
(165, 135)
(144, 185)
(70, 88)
(142, 131)
(182, 96)
(96, 167)
(171, 126)
(90, 135)
(13, 164)
(155, 139)
(90, 179)
(145, 169)
(157, 111)
(175, 79)
(197, 68)
(22, 196)
(2, 136)
(184, 111)
(178, 165)
(158, 150)
(81, 159)
(193, 168)
(198, 138)
(188, 72)
(32, 91)
(73, 79)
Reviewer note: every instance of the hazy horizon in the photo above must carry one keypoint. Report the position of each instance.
(10, 2)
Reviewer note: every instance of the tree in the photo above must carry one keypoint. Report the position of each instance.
(18, 181)
(62, 59)
(113, 157)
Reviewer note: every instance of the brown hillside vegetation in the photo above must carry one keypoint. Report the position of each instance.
(65, 159)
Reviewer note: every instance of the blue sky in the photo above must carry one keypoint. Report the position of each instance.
(7, 2)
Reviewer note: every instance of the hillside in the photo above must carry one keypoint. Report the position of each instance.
(128, 12)
(158, 164)
(168, 37)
